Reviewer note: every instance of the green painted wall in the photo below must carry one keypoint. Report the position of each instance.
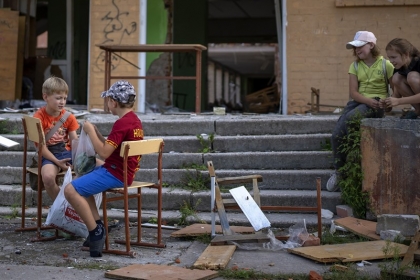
(157, 22)
(190, 27)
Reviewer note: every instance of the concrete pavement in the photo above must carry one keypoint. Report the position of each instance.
(64, 259)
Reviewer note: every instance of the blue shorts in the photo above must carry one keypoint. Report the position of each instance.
(62, 155)
(97, 181)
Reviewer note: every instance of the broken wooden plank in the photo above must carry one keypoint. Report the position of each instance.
(359, 227)
(349, 252)
(200, 229)
(246, 238)
(215, 257)
(154, 271)
(414, 246)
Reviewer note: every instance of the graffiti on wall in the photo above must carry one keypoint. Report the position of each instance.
(57, 50)
(116, 29)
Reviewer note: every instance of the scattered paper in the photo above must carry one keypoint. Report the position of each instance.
(6, 142)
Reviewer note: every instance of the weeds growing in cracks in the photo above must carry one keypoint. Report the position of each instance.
(351, 172)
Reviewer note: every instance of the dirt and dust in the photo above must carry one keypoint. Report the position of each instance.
(16, 248)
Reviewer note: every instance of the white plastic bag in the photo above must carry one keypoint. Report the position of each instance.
(84, 160)
(63, 216)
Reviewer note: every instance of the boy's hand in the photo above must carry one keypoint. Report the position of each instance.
(88, 127)
(64, 164)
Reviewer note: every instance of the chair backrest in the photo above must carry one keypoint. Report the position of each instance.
(33, 129)
(142, 147)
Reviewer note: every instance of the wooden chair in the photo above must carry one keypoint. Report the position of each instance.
(33, 132)
(129, 149)
(217, 202)
(222, 204)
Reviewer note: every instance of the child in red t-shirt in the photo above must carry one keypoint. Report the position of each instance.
(57, 155)
(79, 193)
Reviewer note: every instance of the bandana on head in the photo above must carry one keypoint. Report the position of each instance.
(121, 92)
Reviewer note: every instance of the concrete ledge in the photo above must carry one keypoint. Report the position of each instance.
(408, 225)
(390, 164)
(270, 160)
(277, 125)
(269, 143)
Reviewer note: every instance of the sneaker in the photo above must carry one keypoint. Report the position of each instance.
(332, 184)
(86, 242)
(96, 247)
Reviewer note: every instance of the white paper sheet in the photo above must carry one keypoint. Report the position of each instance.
(7, 142)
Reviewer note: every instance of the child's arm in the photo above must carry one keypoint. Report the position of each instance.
(100, 136)
(102, 149)
(73, 135)
(393, 101)
(355, 94)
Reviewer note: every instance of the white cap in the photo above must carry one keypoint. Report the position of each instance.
(361, 38)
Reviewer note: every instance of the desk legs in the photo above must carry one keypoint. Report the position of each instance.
(198, 82)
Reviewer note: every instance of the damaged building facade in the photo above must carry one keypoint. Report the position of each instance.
(252, 46)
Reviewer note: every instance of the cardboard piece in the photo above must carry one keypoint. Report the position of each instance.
(200, 229)
(359, 227)
(154, 271)
(349, 252)
(215, 257)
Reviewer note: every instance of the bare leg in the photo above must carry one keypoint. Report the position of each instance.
(81, 205)
(93, 208)
(49, 173)
(413, 80)
(407, 86)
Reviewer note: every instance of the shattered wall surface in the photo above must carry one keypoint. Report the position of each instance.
(390, 164)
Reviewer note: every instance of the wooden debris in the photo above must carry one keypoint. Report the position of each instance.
(246, 238)
(359, 227)
(200, 229)
(154, 271)
(414, 246)
(338, 267)
(349, 252)
(215, 257)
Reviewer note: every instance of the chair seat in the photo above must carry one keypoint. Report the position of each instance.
(134, 185)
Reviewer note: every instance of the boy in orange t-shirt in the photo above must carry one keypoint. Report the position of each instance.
(56, 156)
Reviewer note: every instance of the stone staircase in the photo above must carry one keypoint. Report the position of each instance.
(286, 150)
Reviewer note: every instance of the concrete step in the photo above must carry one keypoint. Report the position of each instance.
(277, 220)
(243, 160)
(174, 199)
(191, 125)
(254, 143)
(304, 179)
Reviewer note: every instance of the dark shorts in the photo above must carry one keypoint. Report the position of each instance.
(97, 181)
(62, 155)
